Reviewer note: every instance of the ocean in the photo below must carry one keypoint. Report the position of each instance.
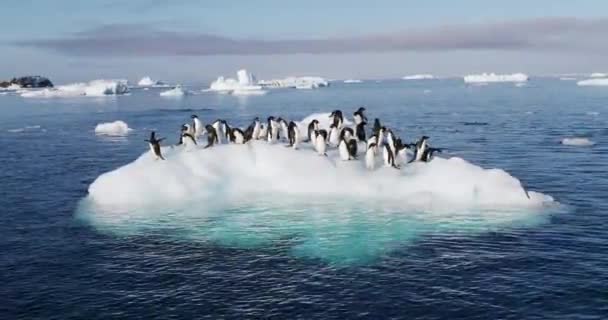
(92, 227)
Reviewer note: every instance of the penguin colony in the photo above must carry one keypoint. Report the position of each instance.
(382, 140)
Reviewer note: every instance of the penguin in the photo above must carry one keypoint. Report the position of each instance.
(312, 127)
(423, 152)
(181, 134)
(237, 136)
(360, 131)
(187, 139)
(380, 136)
(373, 140)
(197, 125)
(284, 127)
(389, 156)
(427, 156)
(321, 141)
(226, 130)
(400, 152)
(359, 116)
(263, 132)
(256, 128)
(248, 134)
(390, 140)
(352, 149)
(343, 149)
(337, 118)
(293, 134)
(273, 130)
(370, 156)
(347, 133)
(212, 136)
(334, 135)
(376, 127)
(155, 145)
(220, 132)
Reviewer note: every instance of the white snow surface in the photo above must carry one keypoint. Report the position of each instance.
(244, 82)
(593, 82)
(419, 77)
(116, 128)
(95, 88)
(579, 142)
(493, 77)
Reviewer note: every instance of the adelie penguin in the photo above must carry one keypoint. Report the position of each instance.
(334, 135)
(360, 131)
(376, 127)
(347, 147)
(293, 134)
(273, 129)
(256, 128)
(313, 126)
(423, 152)
(337, 118)
(237, 136)
(155, 145)
(221, 130)
(284, 127)
(197, 126)
(389, 156)
(263, 132)
(321, 142)
(370, 156)
(186, 138)
(359, 116)
(250, 132)
(212, 136)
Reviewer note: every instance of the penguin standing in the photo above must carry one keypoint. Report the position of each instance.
(347, 143)
(360, 131)
(337, 118)
(373, 140)
(256, 128)
(197, 125)
(220, 132)
(237, 136)
(359, 116)
(273, 130)
(313, 126)
(155, 145)
(263, 132)
(423, 152)
(334, 135)
(284, 127)
(293, 134)
(370, 156)
(320, 142)
(390, 140)
(376, 127)
(389, 156)
(212, 136)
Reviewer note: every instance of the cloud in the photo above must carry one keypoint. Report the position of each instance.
(562, 33)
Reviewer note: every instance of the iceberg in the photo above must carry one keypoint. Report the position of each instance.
(323, 208)
(579, 142)
(178, 91)
(353, 81)
(148, 82)
(244, 84)
(593, 82)
(492, 77)
(599, 75)
(116, 128)
(95, 88)
(295, 82)
(419, 77)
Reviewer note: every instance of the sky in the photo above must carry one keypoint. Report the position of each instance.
(195, 41)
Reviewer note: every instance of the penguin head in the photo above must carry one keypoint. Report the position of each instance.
(371, 145)
(424, 138)
(271, 118)
(256, 119)
(361, 109)
(184, 128)
(193, 116)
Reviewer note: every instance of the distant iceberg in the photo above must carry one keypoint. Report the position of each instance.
(593, 82)
(567, 79)
(352, 81)
(95, 88)
(492, 77)
(245, 82)
(178, 91)
(579, 142)
(116, 128)
(419, 77)
(295, 82)
(599, 75)
(148, 82)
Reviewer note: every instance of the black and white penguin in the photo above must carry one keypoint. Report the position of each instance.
(197, 126)
(237, 136)
(376, 127)
(256, 128)
(360, 131)
(373, 140)
(321, 142)
(273, 130)
(337, 118)
(212, 136)
(220, 130)
(423, 152)
(389, 156)
(284, 127)
(312, 127)
(352, 149)
(263, 132)
(370, 156)
(359, 116)
(427, 156)
(346, 145)
(186, 138)
(155, 145)
(347, 133)
(334, 135)
(293, 134)
(390, 140)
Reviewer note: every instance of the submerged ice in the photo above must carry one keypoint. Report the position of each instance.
(338, 211)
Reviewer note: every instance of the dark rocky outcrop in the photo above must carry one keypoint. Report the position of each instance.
(28, 82)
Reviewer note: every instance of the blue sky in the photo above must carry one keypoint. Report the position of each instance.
(185, 40)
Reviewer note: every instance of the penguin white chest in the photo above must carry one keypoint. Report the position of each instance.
(334, 137)
(370, 160)
(343, 149)
(320, 145)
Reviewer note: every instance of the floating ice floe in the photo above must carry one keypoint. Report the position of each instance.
(419, 77)
(95, 88)
(353, 81)
(579, 142)
(567, 79)
(492, 77)
(178, 91)
(295, 82)
(116, 128)
(599, 75)
(244, 84)
(148, 82)
(593, 82)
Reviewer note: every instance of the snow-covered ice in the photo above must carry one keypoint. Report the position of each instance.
(579, 142)
(178, 91)
(493, 77)
(593, 82)
(95, 88)
(148, 82)
(419, 77)
(244, 82)
(116, 128)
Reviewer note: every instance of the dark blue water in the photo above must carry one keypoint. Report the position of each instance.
(58, 264)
